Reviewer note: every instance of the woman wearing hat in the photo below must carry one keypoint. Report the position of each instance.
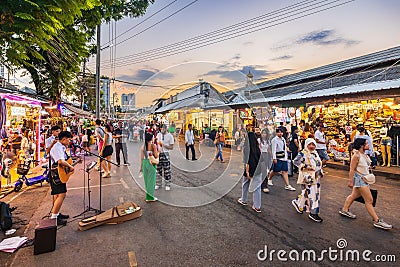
(359, 169)
(310, 173)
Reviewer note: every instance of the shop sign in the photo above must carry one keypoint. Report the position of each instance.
(18, 111)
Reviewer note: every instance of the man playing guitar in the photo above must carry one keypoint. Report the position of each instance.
(58, 156)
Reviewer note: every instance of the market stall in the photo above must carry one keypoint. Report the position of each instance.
(21, 113)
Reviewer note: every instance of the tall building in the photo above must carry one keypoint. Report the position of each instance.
(128, 102)
(105, 88)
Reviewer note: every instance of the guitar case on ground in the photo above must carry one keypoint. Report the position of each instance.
(118, 214)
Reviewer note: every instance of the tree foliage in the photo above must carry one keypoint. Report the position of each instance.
(51, 38)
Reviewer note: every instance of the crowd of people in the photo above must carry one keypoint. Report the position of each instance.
(266, 153)
(309, 156)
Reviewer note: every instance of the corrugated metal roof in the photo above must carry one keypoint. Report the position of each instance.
(342, 90)
(365, 60)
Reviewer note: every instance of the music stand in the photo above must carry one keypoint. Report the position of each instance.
(87, 169)
(100, 178)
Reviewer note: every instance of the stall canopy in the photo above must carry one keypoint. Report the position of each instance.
(77, 111)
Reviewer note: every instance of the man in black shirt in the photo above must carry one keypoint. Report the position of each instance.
(120, 135)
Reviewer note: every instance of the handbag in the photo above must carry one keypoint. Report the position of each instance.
(369, 178)
(374, 194)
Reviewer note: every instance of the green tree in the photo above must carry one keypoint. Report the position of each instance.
(50, 38)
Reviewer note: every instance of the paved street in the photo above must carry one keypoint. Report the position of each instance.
(221, 233)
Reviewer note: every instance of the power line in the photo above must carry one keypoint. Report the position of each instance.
(221, 38)
(158, 22)
(190, 40)
(133, 27)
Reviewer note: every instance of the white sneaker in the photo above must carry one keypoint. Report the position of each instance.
(290, 188)
(157, 187)
(382, 224)
(270, 182)
(167, 188)
(266, 190)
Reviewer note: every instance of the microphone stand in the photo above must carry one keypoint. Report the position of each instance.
(87, 170)
(100, 178)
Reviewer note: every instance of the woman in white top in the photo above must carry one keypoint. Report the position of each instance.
(107, 151)
(359, 167)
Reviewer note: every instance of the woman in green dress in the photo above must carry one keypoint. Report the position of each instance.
(147, 168)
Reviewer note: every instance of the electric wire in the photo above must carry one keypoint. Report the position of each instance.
(136, 25)
(219, 39)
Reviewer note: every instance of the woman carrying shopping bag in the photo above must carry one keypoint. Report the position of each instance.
(310, 174)
(359, 180)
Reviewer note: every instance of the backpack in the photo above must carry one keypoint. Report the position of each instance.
(5, 216)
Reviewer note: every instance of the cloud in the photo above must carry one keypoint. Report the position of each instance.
(324, 37)
(320, 38)
(284, 57)
(143, 75)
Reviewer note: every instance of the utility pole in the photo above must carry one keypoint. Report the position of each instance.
(98, 73)
(83, 84)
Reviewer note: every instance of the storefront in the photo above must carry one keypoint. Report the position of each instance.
(20, 113)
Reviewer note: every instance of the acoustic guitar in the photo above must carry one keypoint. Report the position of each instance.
(64, 172)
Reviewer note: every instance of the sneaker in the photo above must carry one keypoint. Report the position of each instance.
(61, 221)
(152, 200)
(241, 202)
(315, 218)
(324, 166)
(63, 216)
(347, 214)
(290, 188)
(167, 188)
(266, 190)
(296, 206)
(106, 175)
(127, 164)
(157, 187)
(255, 209)
(270, 182)
(383, 225)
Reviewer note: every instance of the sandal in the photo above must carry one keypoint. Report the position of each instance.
(241, 202)
(256, 210)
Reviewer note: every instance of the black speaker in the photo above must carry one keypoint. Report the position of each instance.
(45, 236)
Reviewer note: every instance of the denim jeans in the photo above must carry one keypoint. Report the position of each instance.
(255, 183)
(219, 154)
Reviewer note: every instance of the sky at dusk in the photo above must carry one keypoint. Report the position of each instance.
(357, 28)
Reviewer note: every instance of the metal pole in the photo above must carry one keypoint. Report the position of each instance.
(98, 74)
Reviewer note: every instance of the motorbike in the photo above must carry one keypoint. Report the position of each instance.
(23, 170)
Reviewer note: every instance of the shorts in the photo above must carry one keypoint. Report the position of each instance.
(108, 151)
(386, 142)
(280, 166)
(323, 154)
(57, 188)
(358, 180)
